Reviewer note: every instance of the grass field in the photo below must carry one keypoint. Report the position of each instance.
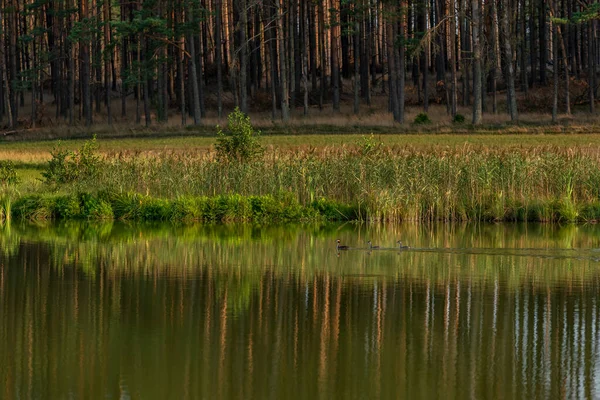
(31, 153)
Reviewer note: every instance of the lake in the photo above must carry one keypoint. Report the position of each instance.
(116, 311)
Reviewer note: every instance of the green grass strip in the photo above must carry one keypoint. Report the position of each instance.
(272, 209)
(136, 207)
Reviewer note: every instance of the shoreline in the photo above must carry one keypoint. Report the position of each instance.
(105, 206)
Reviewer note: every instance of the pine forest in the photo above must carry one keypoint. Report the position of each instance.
(88, 62)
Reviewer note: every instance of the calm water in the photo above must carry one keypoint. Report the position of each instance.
(163, 312)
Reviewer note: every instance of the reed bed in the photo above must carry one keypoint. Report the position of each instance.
(367, 181)
(396, 183)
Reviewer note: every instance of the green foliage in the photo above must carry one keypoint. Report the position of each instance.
(130, 206)
(369, 145)
(8, 174)
(126, 205)
(66, 207)
(94, 207)
(67, 166)
(589, 13)
(60, 168)
(152, 209)
(336, 211)
(5, 209)
(240, 142)
(33, 207)
(185, 209)
(422, 119)
(458, 119)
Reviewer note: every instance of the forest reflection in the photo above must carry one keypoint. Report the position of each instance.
(281, 315)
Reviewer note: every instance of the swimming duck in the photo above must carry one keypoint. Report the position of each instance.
(399, 242)
(341, 247)
(371, 247)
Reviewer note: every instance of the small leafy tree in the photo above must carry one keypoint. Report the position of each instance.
(458, 119)
(422, 119)
(8, 174)
(369, 145)
(240, 142)
(68, 166)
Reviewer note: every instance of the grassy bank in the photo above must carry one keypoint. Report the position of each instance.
(367, 180)
(130, 206)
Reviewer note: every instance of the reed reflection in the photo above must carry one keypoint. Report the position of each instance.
(292, 321)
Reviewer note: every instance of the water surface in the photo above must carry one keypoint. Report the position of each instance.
(188, 312)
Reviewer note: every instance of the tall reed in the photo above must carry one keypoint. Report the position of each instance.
(392, 183)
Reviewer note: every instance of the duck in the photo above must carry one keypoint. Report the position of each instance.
(340, 246)
(371, 247)
(399, 242)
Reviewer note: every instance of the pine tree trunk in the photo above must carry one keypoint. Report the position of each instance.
(85, 70)
(364, 50)
(194, 77)
(140, 79)
(305, 53)
(124, 64)
(335, 68)
(477, 98)
(312, 42)
(33, 82)
(463, 49)
(555, 71)
(392, 68)
(323, 86)
(510, 79)
(285, 112)
(561, 40)
(543, 41)
(401, 75)
(523, 58)
(533, 44)
(107, 58)
(178, 16)
(243, 12)
(4, 70)
(425, 56)
(591, 71)
(270, 19)
(146, 84)
(453, 59)
(356, 66)
(218, 56)
(97, 62)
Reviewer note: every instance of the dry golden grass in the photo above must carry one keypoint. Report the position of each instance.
(35, 152)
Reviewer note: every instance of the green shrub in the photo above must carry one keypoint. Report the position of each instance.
(8, 174)
(152, 209)
(239, 208)
(240, 142)
(60, 169)
(184, 209)
(422, 119)
(336, 211)
(265, 207)
(66, 207)
(67, 166)
(33, 207)
(5, 208)
(458, 119)
(95, 207)
(126, 205)
(369, 145)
